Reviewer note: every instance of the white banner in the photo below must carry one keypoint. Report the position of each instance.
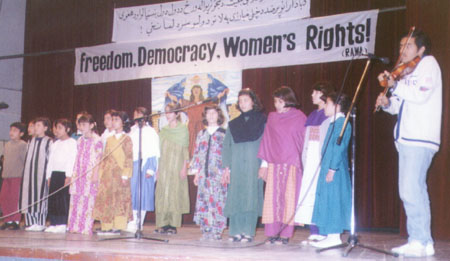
(186, 18)
(316, 40)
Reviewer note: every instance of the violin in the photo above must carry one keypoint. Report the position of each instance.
(400, 69)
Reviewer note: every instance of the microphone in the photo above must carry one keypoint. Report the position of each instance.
(3, 105)
(384, 60)
(145, 118)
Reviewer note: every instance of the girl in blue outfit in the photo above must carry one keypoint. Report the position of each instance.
(332, 208)
(150, 155)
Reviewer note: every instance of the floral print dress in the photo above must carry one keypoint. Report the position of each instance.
(211, 194)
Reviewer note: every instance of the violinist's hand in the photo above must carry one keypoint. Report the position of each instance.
(382, 101)
(386, 76)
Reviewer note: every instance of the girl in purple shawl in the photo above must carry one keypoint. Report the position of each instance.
(316, 129)
(280, 150)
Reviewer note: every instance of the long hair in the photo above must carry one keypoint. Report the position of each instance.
(257, 106)
(200, 97)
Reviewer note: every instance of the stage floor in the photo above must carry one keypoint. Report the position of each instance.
(186, 245)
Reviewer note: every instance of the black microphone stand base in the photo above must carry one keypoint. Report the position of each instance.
(138, 235)
(353, 242)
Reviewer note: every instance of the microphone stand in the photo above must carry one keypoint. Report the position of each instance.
(353, 241)
(138, 235)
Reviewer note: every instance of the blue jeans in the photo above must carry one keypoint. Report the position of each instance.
(413, 163)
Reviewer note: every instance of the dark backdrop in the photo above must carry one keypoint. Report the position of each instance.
(49, 89)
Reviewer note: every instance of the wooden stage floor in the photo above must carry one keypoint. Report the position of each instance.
(186, 246)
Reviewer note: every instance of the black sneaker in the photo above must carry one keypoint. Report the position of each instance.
(13, 226)
(4, 226)
(272, 240)
(171, 231)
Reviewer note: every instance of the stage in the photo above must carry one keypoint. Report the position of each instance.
(186, 245)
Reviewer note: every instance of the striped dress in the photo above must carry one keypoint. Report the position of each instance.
(34, 184)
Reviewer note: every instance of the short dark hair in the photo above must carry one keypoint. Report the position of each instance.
(287, 95)
(422, 40)
(110, 112)
(66, 123)
(257, 106)
(142, 110)
(81, 113)
(343, 100)
(324, 87)
(126, 123)
(220, 119)
(18, 125)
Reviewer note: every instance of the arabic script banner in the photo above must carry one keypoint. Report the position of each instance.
(185, 18)
(317, 40)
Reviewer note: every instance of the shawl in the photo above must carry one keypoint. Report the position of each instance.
(315, 118)
(283, 138)
(249, 126)
(178, 135)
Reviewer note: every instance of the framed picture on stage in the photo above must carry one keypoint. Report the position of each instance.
(218, 87)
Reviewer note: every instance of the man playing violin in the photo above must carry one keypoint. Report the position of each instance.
(417, 100)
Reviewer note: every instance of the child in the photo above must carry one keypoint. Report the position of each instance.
(316, 129)
(34, 188)
(77, 133)
(281, 149)
(59, 171)
(15, 153)
(240, 147)
(172, 194)
(207, 166)
(109, 130)
(30, 131)
(83, 190)
(149, 155)
(332, 208)
(113, 203)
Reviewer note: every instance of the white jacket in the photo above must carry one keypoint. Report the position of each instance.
(417, 99)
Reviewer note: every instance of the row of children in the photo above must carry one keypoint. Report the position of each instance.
(98, 170)
(277, 152)
(229, 165)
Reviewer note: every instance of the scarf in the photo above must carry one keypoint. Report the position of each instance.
(249, 126)
(178, 135)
